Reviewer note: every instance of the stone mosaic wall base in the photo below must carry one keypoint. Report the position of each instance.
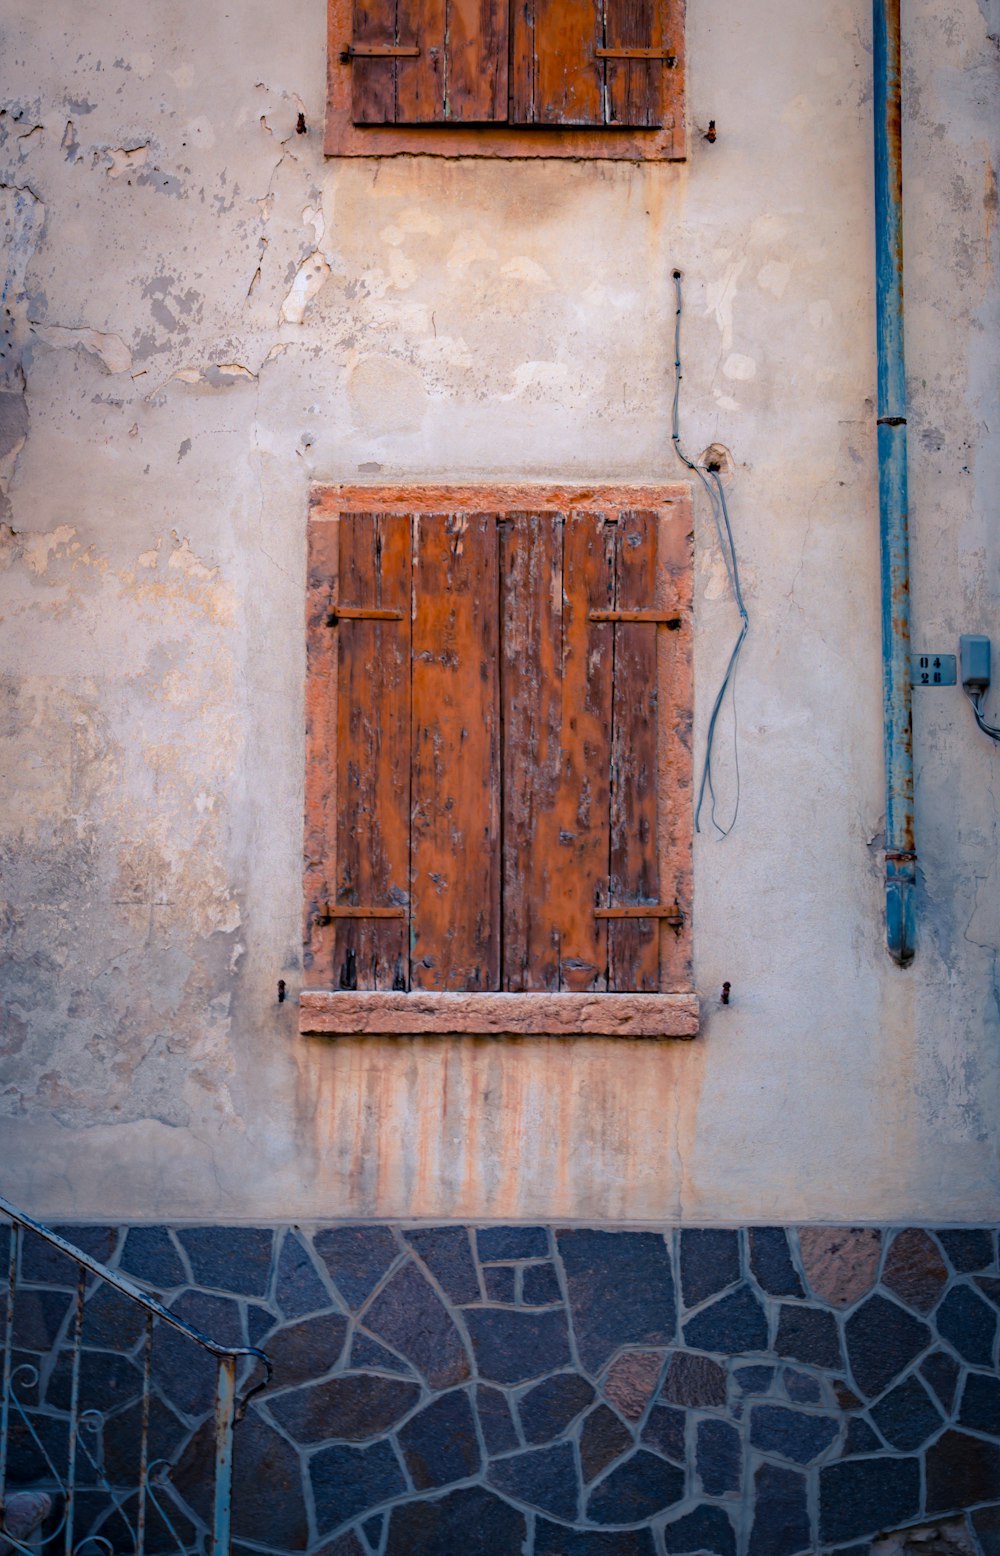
(454, 1391)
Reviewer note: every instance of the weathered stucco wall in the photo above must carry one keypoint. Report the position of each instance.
(202, 315)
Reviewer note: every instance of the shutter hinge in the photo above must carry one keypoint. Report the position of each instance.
(361, 613)
(669, 913)
(378, 51)
(658, 618)
(668, 58)
(327, 913)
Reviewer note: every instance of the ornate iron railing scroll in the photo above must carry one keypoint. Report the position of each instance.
(54, 1442)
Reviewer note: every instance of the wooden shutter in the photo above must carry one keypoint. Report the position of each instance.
(429, 61)
(508, 809)
(455, 796)
(589, 62)
(580, 766)
(372, 624)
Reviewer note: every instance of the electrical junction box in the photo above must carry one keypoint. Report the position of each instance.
(975, 654)
(932, 669)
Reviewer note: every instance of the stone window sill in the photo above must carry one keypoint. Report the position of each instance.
(345, 1012)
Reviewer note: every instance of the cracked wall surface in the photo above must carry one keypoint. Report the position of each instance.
(199, 314)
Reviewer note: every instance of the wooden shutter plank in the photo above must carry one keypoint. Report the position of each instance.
(633, 875)
(531, 691)
(455, 830)
(676, 580)
(635, 88)
(476, 61)
(420, 81)
(373, 752)
(555, 77)
(585, 791)
(373, 81)
(321, 736)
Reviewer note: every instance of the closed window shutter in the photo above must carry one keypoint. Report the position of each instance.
(495, 804)
(580, 753)
(570, 63)
(432, 62)
(633, 869)
(373, 752)
(455, 785)
(557, 710)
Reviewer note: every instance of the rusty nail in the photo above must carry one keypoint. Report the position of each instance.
(710, 133)
(300, 125)
(281, 991)
(725, 993)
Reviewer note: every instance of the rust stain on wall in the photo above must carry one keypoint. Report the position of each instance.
(502, 1128)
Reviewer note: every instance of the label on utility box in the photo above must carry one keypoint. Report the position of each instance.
(932, 669)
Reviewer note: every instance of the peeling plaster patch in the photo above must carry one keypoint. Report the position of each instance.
(31, 137)
(540, 377)
(127, 160)
(413, 220)
(150, 558)
(311, 276)
(40, 548)
(402, 271)
(774, 277)
(184, 558)
(447, 351)
(521, 268)
(719, 298)
(386, 396)
(69, 142)
(739, 367)
(11, 549)
(469, 248)
(217, 375)
(22, 216)
(111, 349)
(13, 432)
(312, 216)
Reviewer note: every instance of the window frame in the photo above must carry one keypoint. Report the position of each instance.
(343, 138)
(671, 1012)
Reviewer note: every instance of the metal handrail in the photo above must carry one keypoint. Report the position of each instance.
(124, 1285)
(228, 1408)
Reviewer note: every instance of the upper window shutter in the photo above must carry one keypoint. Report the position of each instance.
(429, 61)
(588, 62)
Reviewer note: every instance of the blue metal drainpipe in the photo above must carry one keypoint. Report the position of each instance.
(900, 852)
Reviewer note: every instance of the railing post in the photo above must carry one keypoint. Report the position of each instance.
(8, 1357)
(225, 1405)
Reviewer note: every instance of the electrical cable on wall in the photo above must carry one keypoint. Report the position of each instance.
(712, 482)
(977, 699)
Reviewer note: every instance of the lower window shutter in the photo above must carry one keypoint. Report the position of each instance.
(372, 624)
(557, 699)
(455, 783)
(633, 869)
(508, 697)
